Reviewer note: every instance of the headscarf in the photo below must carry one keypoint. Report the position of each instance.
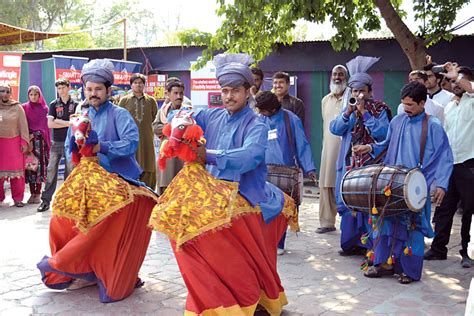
(358, 70)
(232, 70)
(36, 113)
(98, 71)
(13, 120)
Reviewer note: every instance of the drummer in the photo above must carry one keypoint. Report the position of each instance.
(363, 123)
(285, 147)
(399, 241)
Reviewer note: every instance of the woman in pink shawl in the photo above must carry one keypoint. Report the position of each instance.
(13, 144)
(36, 111)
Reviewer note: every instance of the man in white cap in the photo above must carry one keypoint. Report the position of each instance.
(365, 122)
(331, 106)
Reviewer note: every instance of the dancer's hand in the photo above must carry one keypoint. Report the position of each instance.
(201, 153)
(361, 149)
(312, 176)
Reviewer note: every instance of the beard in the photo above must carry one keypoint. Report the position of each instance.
(337, 88)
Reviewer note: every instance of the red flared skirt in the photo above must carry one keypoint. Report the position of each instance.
(111, 253)
(232, 270)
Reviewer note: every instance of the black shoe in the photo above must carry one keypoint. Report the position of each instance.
(431, 255)
(43, 207)
(354, 251)
(323, 230)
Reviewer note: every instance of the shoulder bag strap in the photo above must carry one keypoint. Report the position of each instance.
(289, 134)
(424, 134)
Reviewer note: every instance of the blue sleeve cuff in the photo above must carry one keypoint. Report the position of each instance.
(366, 116)
(211, 157)
(345, 117)
(104, 148)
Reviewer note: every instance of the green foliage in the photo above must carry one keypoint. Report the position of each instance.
(437, 17)
(257, 26)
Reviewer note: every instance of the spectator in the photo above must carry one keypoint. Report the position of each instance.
(331, 106)
(433, 83)
(58, 120)
(143, 109)
(281, 86)
(36, 111)
(460, 129)
(14, 139)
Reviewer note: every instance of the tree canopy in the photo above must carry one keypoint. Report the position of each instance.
(257, 26)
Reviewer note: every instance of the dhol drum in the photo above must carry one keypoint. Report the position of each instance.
(288, 179)
(391, 189)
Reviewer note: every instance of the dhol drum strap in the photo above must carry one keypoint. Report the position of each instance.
(291, 140)
(424, 134)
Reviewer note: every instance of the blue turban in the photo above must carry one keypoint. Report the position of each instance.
(232, 70)
(358, 70)
(98, 71)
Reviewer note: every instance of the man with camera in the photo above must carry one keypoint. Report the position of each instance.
(362, 121)
(459, 127)
(433, 84)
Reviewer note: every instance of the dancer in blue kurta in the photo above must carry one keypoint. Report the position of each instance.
(363, 123)
(400, 245)
(117, 131)
(280, 150)
(229, 260)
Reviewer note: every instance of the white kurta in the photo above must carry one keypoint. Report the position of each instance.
(330, 108)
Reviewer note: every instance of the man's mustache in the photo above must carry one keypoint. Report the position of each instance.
(94, 98)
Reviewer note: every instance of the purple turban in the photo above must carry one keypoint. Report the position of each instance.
(232, 70)
(358, 70)
(98, 71)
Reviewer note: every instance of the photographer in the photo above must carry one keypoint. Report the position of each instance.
(459, 127)
(433, 84)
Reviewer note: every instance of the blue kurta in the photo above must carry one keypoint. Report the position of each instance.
(403, 142)
(118, 139)
(278, 151)
(353, 227)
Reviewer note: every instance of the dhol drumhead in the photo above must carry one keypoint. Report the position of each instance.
(415, 190)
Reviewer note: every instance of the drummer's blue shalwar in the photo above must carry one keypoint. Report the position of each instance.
(354, 225)
(403, 142)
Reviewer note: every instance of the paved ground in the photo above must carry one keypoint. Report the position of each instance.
(316, 279)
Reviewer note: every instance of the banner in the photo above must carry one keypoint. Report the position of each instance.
(122, 74)
(205, 90)
(155, 86)
(10, 71)
(69, 67)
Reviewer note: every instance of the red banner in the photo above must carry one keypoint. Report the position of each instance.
(73, 75)
(10, 70)
(122, 77)
(155, 86)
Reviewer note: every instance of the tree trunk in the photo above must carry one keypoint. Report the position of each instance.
(413, 47)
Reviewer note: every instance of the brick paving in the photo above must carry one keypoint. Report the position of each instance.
(316, 279)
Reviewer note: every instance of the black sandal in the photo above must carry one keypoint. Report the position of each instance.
(377, 272)
(19, 204)
(404, 279)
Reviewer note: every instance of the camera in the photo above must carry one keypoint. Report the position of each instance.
(438, 69)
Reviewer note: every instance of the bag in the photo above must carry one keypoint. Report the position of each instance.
(31, 162)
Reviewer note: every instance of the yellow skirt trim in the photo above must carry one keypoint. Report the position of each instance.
(273, 306)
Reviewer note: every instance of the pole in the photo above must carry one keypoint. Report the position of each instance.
(125, 39)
